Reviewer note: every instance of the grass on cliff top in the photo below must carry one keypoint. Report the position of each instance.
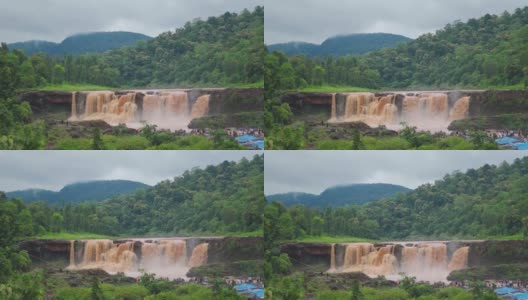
(334, 89)
(244, 234)
(74, 87)
(331, 239)
(71, 236)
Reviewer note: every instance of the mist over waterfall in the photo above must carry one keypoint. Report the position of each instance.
(168, 258)
(427, 261)
(166, 109)
(427, 110)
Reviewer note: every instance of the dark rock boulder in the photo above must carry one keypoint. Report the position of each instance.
(308, 253)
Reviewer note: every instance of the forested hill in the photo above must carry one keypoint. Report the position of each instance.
(491, 50)
(342, 45)
(341, 195)
(224, 198)
(95, 42)
(220, 51)
(483, 203)
(489, 201)
(80, 192)
(480, 53)
(217, 199)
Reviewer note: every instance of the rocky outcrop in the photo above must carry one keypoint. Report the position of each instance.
(308, 253)
(302, 103)
(46, 250)
(44, 101)
(488, 253)
(234, 249)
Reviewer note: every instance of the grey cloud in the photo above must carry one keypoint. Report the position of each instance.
(316, 20)
(314, 171)
(54, 169)
(53, 20)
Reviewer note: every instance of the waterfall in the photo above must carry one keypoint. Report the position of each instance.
(166, 109)
(425, 261)
(200, 107)
(459, 260)
(460, 109)
(165, 257)
(332, 259)
(72, 254)
(427, 111)
(334, 108)
(74, 105)
(199, 255)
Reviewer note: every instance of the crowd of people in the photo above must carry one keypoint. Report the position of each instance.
(516, 284)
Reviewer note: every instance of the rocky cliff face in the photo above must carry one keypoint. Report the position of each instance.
(221, 249)
(308, 253)
(222, 101)
(483, 103)
(481, 253)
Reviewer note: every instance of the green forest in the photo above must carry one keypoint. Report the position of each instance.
(219, 51)
(480, 53)
(488, 202)
(226, 198)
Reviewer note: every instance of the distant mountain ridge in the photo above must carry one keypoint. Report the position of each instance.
(342, 45)
(90, 191)
(341, 195)
(94, 42)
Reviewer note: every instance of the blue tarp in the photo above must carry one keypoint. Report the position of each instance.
(523, 296)
(245, 287)
(505, 291)
(260, 144)
(506, 140)
(260, 293)
(520, 146)
(246, 138)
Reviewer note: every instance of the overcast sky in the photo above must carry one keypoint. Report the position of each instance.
(54, 20)
(314, 171)
(315, 20)
(54, 169)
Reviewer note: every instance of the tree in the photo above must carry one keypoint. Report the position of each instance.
(58, 74)
(97, 141)
(356, 291)
(317, 225)
(357, 144)
(57, 221)
(95, 292)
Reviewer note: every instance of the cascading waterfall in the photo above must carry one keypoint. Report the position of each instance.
(460, 109)
(165, 258)
(199, 255)
(429, 111)
(425, 261)
(332, 259)
(333, 117)
(166, 109)
(459, 260)
(74, 105)
(200, 107)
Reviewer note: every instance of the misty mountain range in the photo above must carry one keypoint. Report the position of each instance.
(341, 195)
